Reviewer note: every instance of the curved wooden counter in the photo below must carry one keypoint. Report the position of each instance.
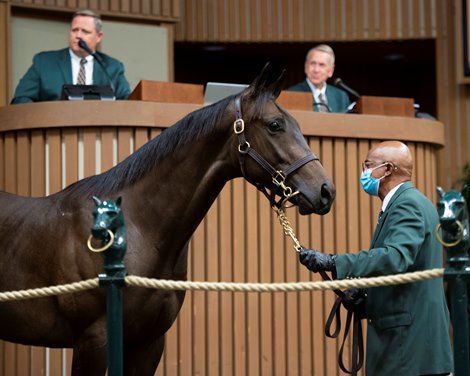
(46, 146)
(147, 114)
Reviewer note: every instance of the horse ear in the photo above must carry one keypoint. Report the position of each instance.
(259, 82)
(118, 201)
(96, 200)
(440, 191)
(276, 87)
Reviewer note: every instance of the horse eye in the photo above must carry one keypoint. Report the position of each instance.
(274, 126)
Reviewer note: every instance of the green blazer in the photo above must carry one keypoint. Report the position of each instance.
(408, 324)
(51, 69)
(338, 100)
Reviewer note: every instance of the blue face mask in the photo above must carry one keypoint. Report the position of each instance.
(369, 184)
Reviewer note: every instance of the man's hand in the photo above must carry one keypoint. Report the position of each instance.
(316, 261)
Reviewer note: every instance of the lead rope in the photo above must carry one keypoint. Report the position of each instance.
(357, 359)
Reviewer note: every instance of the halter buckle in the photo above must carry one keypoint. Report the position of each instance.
(238, 126)
(279, 178)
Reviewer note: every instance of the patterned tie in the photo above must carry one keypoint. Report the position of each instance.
(81, 79)
(322, 107)
(380, 216)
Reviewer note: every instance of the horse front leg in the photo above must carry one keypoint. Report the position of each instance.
(90, 351)
(143, 359)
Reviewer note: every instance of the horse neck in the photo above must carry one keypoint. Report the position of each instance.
(182, 187)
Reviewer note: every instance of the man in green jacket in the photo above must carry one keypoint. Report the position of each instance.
(319, 67)
(407, 324)
(52, 69)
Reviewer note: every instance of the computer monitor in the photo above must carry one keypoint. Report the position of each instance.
(215, 91)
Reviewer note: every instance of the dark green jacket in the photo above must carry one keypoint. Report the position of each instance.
(51, 69)
(408, 324)
(338, 100)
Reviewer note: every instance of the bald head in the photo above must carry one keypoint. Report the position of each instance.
(395, 152)
(394, 165)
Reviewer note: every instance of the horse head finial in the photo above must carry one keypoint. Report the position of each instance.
(108, 223)
(453, 221)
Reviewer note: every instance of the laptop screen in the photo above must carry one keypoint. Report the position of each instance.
(215, 91)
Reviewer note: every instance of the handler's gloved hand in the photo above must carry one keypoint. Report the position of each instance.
(316, 261)
(357, 301)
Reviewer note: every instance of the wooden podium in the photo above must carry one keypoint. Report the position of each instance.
(385, 106)
(168, 92)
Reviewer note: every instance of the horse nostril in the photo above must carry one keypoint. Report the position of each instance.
(328, 192)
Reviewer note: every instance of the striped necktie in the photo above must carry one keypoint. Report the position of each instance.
(322, 107)
(81, 79)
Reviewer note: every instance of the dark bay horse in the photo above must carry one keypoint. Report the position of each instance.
(167, 187)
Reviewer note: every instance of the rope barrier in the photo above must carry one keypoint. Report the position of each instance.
(229, 286)
(49, 291)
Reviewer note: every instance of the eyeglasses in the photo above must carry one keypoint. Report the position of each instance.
(369, 164)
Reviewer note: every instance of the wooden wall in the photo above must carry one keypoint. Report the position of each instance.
(307, 20)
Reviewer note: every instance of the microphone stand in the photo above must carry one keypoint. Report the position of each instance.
(82, 44)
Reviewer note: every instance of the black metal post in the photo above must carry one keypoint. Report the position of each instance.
(458, 275)
(114, 280)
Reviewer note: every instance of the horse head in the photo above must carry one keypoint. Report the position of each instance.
(108, 218)
(453, 218)
(273, 153)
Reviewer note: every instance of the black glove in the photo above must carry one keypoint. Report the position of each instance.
(357, 301)
(316, 261)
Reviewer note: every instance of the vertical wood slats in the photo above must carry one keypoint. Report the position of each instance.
(239, 240)
(305, 20)
(164, 9)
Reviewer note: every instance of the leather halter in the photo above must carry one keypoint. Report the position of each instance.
(278, 176)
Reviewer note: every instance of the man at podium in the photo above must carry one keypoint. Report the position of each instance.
(79, 64)
(319, 67)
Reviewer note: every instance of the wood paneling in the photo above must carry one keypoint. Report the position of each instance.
(163, 10)
(306, 20)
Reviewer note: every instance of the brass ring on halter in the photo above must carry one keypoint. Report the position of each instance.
(243, 149)
(285, 201)
(105, 247)
(453, 244)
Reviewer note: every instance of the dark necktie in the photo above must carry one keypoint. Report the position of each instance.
(81, 79)
(322, 107)
(380, 216)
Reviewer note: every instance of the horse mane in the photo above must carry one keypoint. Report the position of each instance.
(192, 127)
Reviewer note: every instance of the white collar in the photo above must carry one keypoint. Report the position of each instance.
(78, 58)
(389, 196)
(316, 92)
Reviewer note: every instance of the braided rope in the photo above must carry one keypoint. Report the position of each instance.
(164, 284)
(49, 291)
(286, 287)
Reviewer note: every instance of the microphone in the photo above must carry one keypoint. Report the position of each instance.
(339, 83)
(82, 44)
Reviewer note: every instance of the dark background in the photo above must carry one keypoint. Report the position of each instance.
(389, 69)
